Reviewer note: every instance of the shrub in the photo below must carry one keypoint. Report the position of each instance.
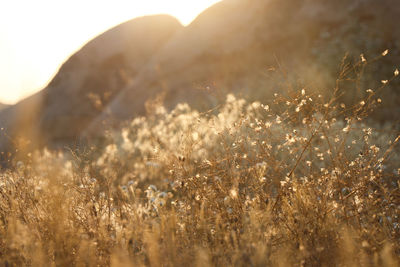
(298, 181)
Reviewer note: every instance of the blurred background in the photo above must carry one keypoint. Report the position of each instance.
(36, 37)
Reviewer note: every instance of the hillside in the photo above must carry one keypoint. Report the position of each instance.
(85, 83)
(231, 45)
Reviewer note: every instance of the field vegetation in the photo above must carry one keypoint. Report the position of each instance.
(303, 179)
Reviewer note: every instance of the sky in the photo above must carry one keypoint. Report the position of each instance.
(37, 36)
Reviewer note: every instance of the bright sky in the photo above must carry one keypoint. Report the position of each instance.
(37, 36)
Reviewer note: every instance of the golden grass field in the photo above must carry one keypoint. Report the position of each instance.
(303, 180)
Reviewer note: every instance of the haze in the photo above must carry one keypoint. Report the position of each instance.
(36, 37)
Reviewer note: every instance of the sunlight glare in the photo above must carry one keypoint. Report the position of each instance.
(36, 37)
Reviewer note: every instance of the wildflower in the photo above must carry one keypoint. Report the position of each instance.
(368, 131)
(362, 58)
(256, 105)
(290, 139)
(195, 136)
(233, 193)
(230, 98)
(357, 200)
(374, 148)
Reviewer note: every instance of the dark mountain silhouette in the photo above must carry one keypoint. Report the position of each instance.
(227, 47)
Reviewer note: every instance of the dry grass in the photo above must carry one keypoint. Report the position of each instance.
(302, 181)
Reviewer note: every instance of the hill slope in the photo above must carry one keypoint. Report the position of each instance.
(86, 82)
(231, 45)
